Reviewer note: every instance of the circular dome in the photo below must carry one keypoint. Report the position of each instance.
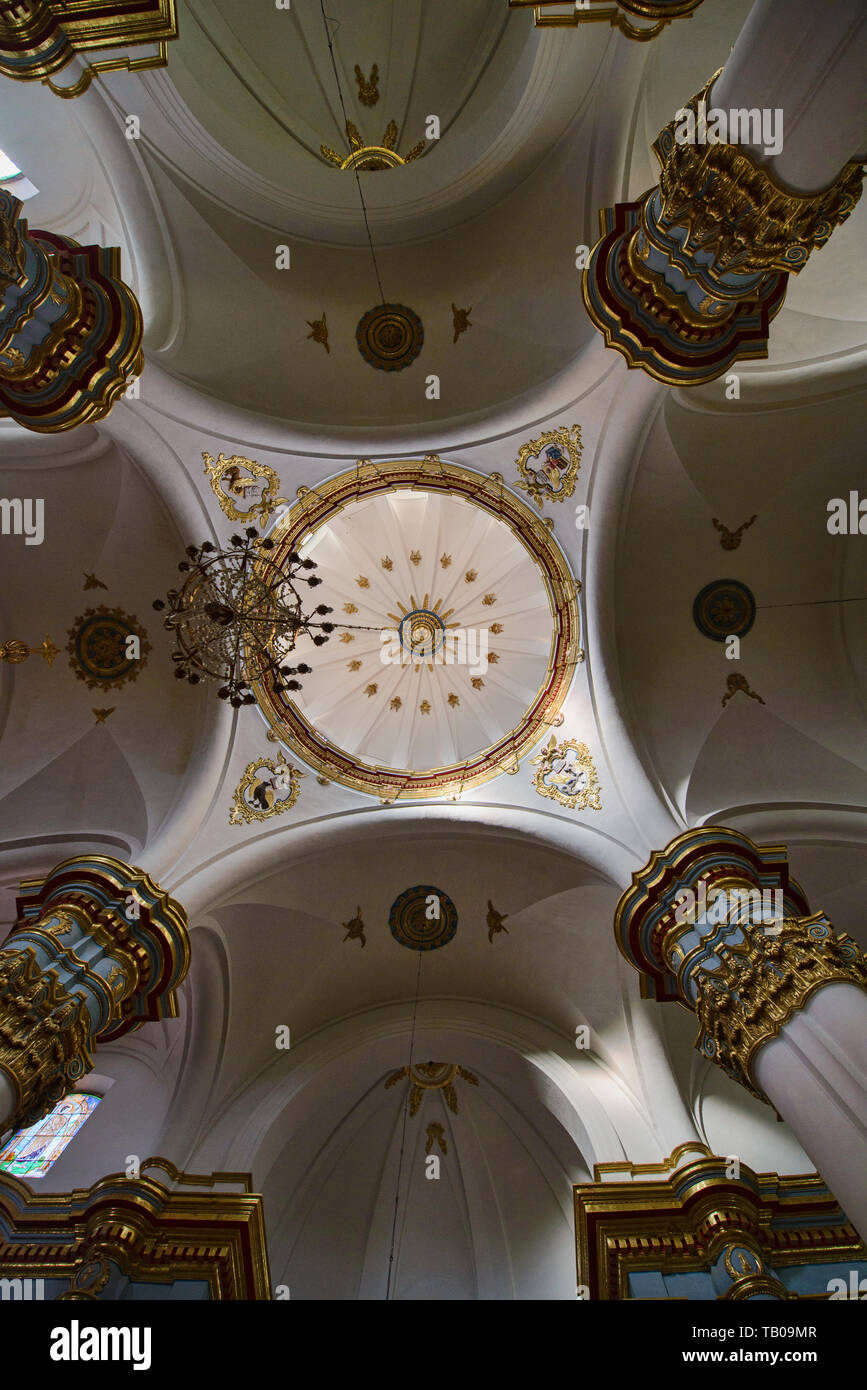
(456, 636)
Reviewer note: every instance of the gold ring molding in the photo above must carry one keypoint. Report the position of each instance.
(317, 506)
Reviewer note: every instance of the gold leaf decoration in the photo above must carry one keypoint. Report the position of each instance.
(244, 488)
(461, 320)
(565, 773)
(368, 87)
(555, 477)
(267, 788)
(736, 682)
(319, 331)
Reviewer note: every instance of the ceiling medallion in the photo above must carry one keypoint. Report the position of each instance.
(724, 608)
(107, 648)
(422, 631)
(397, 750)
(423, 918)
(390, 337)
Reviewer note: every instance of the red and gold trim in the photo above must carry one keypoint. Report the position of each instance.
(317, 506)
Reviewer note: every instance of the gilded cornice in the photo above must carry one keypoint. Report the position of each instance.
(685, 1220)
(151, 1233)
(39, 37)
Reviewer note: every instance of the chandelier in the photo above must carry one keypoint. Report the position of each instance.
(238, 614)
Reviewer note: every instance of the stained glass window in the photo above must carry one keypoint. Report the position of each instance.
(12, 179)
(31, 1152)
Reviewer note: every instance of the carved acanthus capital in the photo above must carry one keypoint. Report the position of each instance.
(12, 250)
(734, 208)
(761, 984)
(44, 1036)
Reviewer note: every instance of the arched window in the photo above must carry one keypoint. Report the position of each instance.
(11, 178)
(31, 1152)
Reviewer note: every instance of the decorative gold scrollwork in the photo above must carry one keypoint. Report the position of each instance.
(755, 991)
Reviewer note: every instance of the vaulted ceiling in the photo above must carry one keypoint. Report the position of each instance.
(538, 129)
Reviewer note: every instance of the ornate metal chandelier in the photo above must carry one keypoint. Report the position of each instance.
(238, 614)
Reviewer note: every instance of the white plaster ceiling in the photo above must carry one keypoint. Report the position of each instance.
(805, 653)
(64, 778)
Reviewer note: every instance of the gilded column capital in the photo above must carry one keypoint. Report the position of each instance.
(98, 948)
(716, 923)
(44, 1036)
(762, 982)
(686, 280)
(734, 208)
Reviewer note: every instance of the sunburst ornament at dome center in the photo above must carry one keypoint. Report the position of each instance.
(422, 631)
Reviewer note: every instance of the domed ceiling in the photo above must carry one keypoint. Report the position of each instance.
(457, 631)
(283, 97)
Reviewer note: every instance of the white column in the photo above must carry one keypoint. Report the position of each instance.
(815, 1073)
(808, 60)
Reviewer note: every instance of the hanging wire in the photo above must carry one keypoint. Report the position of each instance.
(403, 1131)
(814, 602)
(325, 22)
